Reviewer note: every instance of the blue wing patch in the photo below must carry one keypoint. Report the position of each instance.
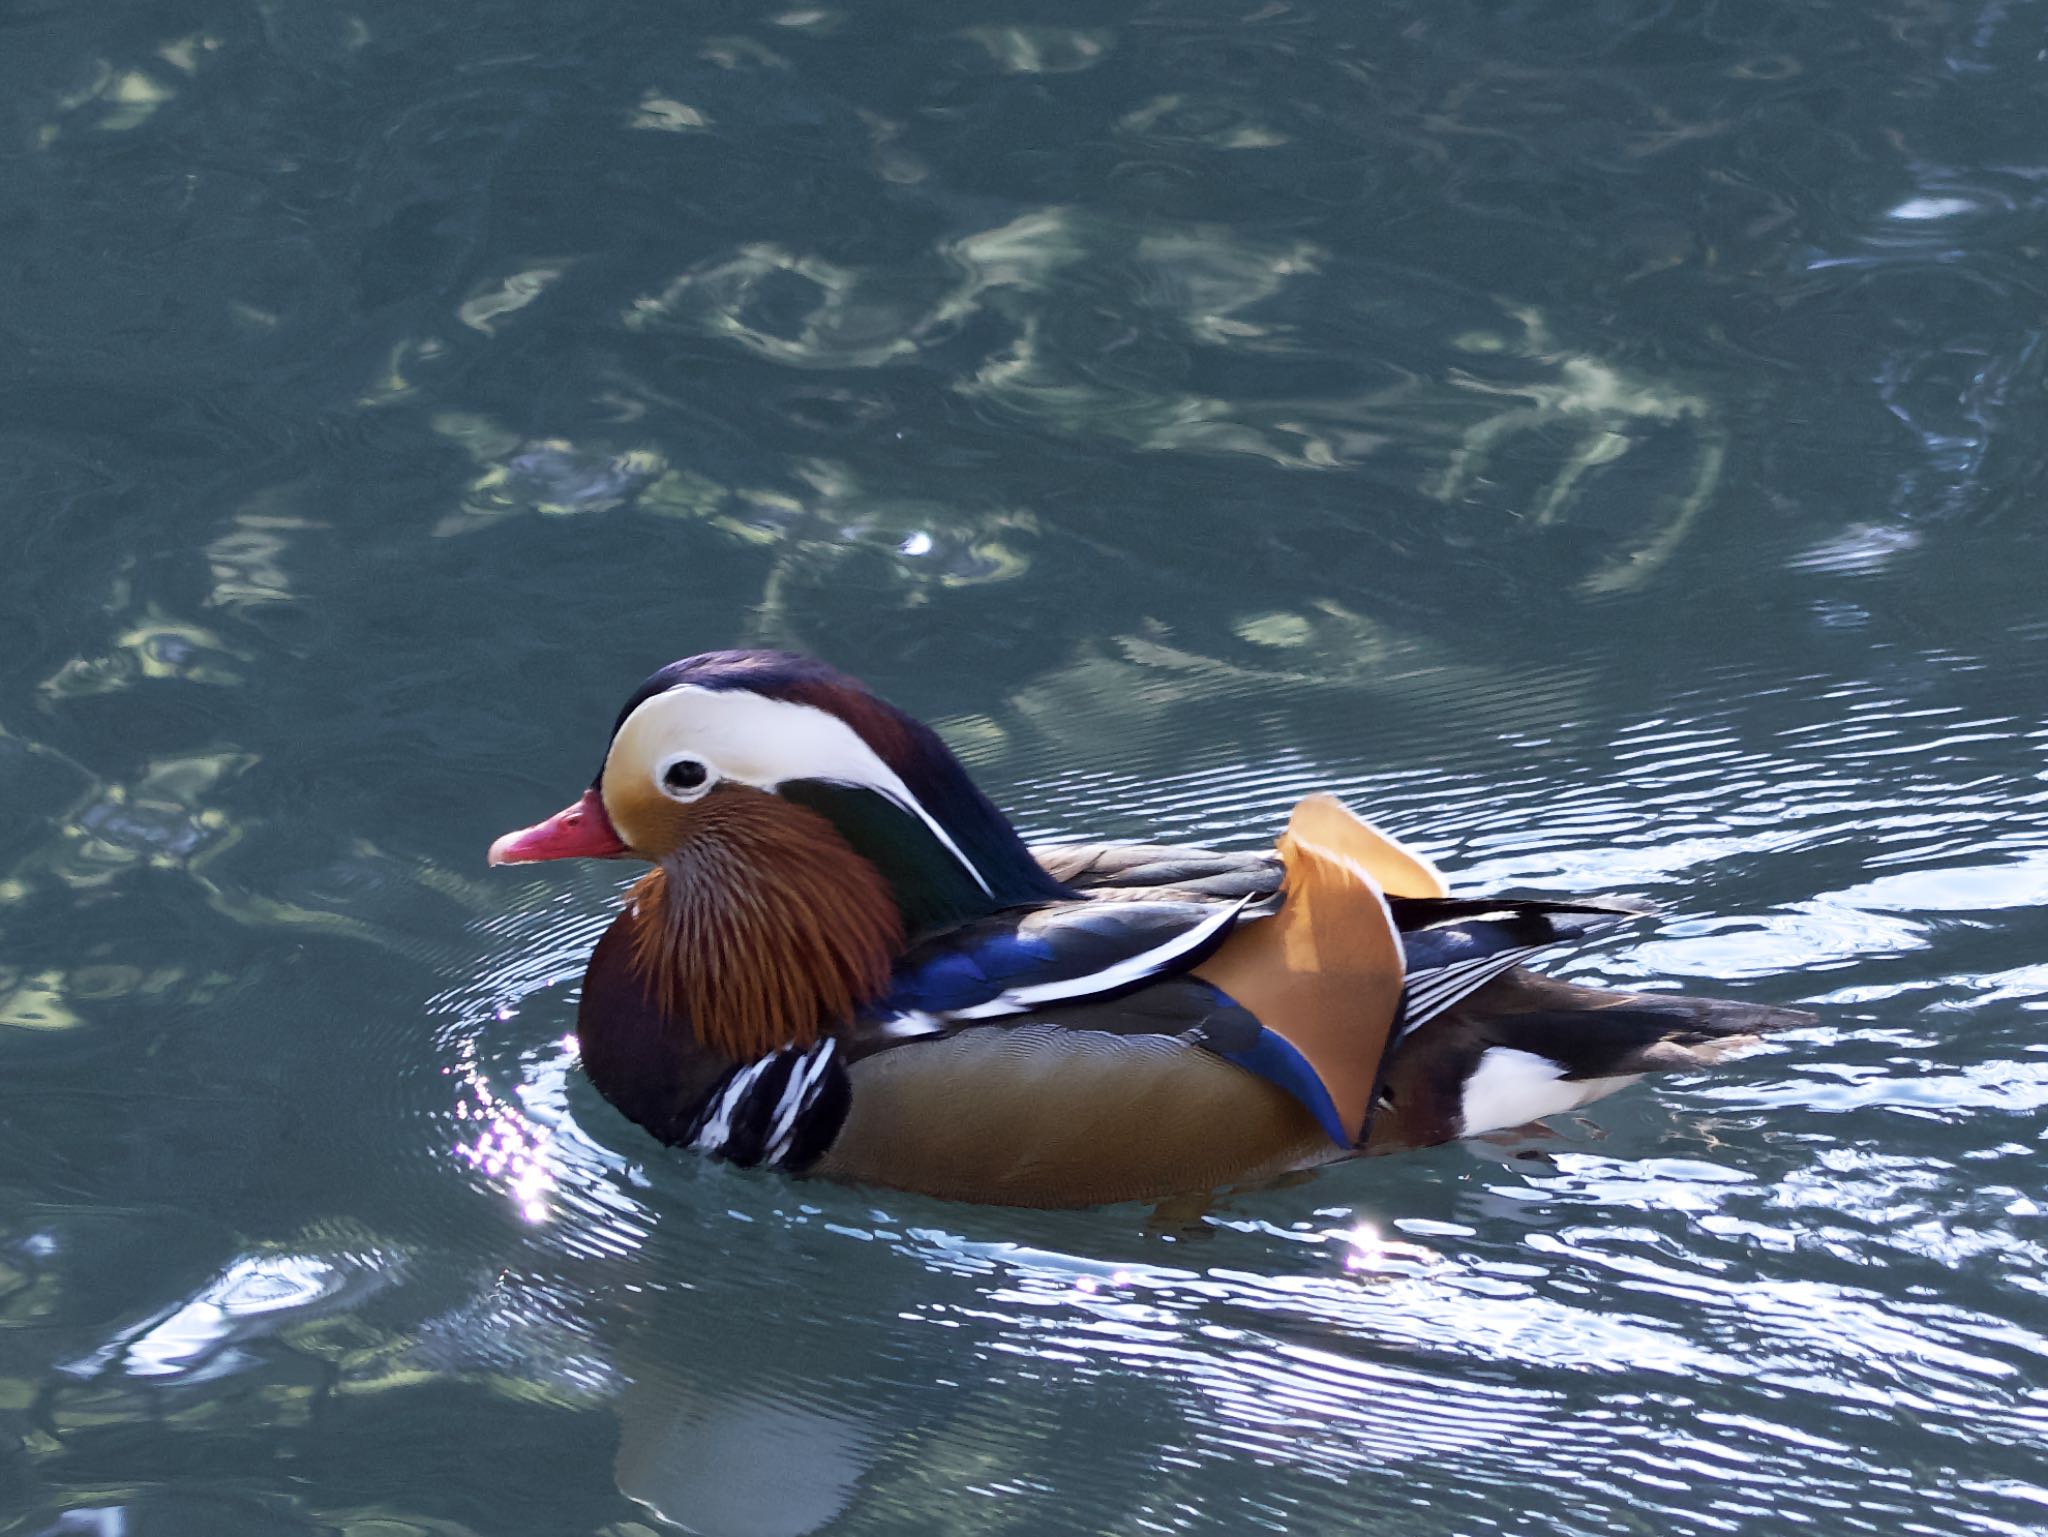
(961, 978)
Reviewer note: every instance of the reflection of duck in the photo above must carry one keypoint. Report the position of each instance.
(846, 962)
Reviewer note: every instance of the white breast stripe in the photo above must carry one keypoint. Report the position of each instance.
(719, 1124)
(1432, 992)
(1136, 968)
(796, 1099)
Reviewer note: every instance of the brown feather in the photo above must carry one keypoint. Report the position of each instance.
(1325, 973)
(1034, 1114)
(763, 928)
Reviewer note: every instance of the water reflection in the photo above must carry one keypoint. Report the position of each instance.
(155, 646)
(257, 1297)
(161, 819)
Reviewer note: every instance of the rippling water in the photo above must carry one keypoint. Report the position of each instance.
(1601, 440)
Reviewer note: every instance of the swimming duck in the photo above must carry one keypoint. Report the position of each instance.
(845, 962)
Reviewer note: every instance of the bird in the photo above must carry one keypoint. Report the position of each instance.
(845, 962)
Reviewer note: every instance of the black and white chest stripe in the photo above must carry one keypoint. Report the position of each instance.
(782, 1111)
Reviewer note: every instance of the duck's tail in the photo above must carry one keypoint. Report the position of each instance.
(1526, 1046)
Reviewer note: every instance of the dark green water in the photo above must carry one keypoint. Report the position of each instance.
(1604, 440)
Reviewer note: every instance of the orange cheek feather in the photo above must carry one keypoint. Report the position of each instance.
(759, 927)
(653, 825)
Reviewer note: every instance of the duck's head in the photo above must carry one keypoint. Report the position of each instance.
(762, 781)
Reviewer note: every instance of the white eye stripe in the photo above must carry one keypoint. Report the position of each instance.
(754, 740)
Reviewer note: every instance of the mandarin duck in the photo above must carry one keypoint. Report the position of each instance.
(846, 962)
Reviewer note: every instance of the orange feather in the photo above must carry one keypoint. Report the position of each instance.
(763, 928)
(1325, 972)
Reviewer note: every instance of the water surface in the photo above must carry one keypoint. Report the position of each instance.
(1604, 442)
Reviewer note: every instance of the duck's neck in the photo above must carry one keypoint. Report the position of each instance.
(645, 1063)
(766, 931)
(935, 884)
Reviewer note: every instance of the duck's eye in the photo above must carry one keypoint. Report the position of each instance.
(685, 776)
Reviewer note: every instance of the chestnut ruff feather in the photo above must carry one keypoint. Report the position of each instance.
(764, 928)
